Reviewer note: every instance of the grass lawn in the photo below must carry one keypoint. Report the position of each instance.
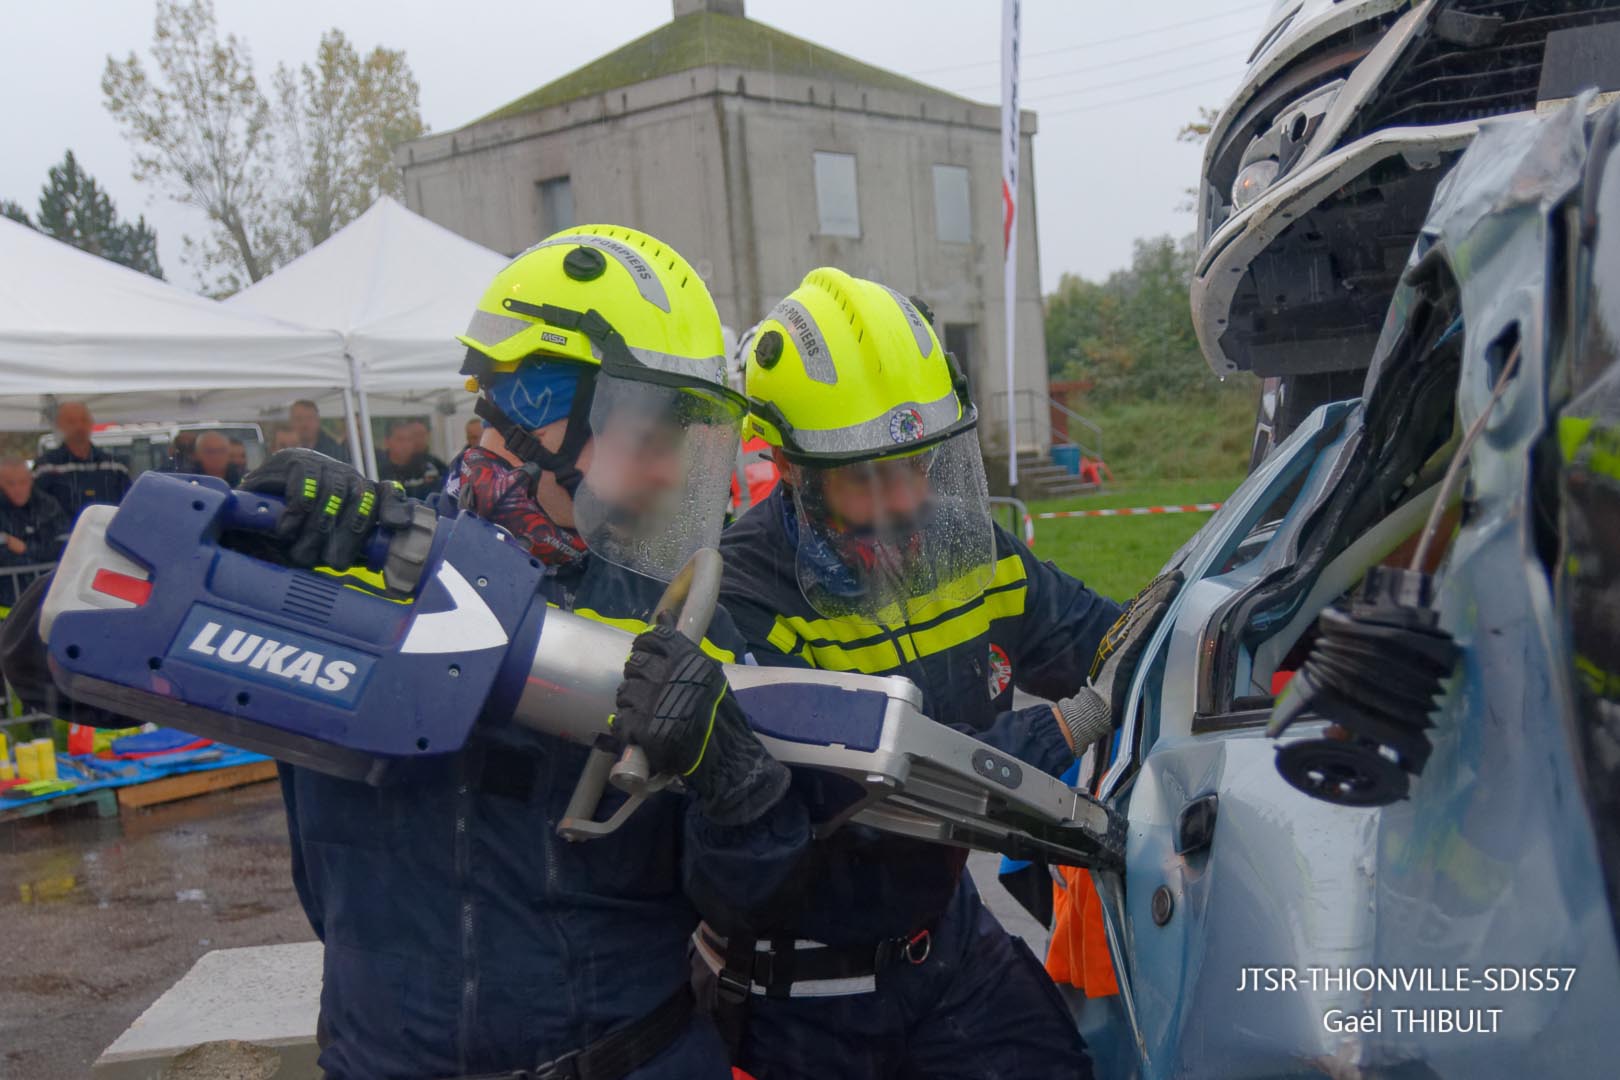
(1117, 556)
(1162, 453)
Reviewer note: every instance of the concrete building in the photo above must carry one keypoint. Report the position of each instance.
(759, 156)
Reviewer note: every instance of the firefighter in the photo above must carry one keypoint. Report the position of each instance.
(877, 554)
(463, 936)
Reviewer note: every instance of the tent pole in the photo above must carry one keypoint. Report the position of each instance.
(356, 451)
(369, 466)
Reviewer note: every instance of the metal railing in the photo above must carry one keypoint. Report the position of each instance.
(1028, 409)
(13, 580)
(1020, 522)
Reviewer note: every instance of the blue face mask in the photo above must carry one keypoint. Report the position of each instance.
(537, 394)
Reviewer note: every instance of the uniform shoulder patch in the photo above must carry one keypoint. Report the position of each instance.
(1000, 670)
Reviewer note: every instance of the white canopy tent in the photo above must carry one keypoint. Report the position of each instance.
(398, 289)
(73, 325)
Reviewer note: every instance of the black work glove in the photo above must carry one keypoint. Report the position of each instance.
(331, 507)
(1098, 709)
(675, 704)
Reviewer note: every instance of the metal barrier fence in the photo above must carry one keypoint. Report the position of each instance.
(13, 580)
(1020, 522)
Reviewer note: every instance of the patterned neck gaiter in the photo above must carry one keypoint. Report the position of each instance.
(499, 493)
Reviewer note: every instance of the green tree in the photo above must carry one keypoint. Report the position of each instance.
(15, 212)
(340, 120)
(1130, 336)
(74, 209)
(1197, 130)
(200, 131)
(273, 180)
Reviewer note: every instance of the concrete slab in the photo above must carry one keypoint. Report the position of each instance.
(238, 1013)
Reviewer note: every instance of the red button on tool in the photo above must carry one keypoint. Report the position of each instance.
(122, 586)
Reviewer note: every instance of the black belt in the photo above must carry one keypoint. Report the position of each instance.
(618, 1053)
(781, 964)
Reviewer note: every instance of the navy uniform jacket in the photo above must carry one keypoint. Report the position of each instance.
(325, 444)
(462, 934)
(77, 482)
(40, 524)
(1033, 627)
(421, 476)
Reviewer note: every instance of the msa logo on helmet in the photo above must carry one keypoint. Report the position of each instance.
(905, 425)
(555, 339)
(271, 655)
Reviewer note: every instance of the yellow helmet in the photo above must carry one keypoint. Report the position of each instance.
(612, 330)
(614, 301)
(845, 369)
(540, 306)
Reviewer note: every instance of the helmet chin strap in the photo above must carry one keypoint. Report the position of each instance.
(562, 463)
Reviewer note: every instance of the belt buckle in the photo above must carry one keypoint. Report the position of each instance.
(558, 1068)
(732, 988)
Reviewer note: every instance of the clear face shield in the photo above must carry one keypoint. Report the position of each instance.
(899, 539)
(657, 471)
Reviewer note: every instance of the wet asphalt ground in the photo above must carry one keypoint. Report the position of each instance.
(99, 917)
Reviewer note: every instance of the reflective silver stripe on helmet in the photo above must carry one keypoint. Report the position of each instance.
(919, 328)
(905, 423)
(708, 368)
(802, 328)
(647, 279)
(490, 329)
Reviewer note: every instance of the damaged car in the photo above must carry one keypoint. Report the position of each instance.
(1370, 775)
(1319, 171)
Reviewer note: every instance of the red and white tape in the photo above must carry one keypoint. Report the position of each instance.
(1132, 511)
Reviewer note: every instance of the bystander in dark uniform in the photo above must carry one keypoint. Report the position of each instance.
(407, 464)
(306, 424)
(33, 529)
(77, 473)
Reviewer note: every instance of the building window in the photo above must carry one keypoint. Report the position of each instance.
(556, 205)
(953, 218)
(837, 206)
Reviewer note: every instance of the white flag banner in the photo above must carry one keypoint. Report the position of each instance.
(1009, 215)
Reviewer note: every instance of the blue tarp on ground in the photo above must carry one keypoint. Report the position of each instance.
(137, 772)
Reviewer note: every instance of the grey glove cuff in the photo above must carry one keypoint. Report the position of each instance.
(1087, 717)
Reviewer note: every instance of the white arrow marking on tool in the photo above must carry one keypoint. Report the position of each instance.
(467, 627)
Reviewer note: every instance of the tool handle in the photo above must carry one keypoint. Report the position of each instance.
(689, 604)
(579, 819)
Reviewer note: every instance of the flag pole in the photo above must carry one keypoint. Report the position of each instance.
(1009, 218)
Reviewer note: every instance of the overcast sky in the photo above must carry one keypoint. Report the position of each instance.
(1111, 82)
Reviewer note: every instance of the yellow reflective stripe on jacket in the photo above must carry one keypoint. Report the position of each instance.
(636, 626)
(1004, 604)
(853, 644)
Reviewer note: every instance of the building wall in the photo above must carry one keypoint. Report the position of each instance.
(720, 164)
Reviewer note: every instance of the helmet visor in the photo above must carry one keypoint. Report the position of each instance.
(658, 472)
(897, 539)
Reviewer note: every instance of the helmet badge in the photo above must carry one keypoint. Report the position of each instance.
(905, 425)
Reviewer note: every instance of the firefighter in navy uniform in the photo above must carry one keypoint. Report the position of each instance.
(877, 554)
(463, 936)
(78, 472)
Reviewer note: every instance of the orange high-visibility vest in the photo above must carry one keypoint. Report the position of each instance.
(758, 470)
(1078, 953)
